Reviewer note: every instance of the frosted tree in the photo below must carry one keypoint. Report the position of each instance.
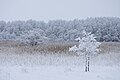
(87, 45)
(33, 37)
(2, 25)
(105, 28)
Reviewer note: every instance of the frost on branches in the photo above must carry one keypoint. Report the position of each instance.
(34, 37)
(87, 45)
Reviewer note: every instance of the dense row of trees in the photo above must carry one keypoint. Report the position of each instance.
(105, 28)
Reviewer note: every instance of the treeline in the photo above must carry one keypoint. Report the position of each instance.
(31, 31)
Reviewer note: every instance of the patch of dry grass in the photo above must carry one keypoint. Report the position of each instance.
(52, 47)
(107, 47)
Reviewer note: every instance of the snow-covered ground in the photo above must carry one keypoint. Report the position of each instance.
(105, 66)
(59, 73)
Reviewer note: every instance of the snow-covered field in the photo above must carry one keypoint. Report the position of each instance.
(59, 73)
(60, 66)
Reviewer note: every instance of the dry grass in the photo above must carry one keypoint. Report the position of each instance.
(17, 54)
(53, 47)
(107, 47)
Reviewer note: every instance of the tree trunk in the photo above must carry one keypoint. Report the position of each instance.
(88, 63)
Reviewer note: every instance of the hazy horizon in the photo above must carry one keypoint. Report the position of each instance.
(45, 10)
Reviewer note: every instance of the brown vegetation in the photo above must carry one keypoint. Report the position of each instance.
(53, 47)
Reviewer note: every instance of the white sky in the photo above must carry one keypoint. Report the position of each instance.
(57, 9)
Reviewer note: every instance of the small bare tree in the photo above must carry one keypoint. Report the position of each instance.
(87, 45)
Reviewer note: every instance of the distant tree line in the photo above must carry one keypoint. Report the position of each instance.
(31, 31)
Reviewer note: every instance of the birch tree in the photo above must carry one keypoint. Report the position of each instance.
(87, 45)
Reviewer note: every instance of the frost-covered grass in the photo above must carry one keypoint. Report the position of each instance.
(28, 64)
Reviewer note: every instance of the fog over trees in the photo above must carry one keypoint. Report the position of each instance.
(105, 28)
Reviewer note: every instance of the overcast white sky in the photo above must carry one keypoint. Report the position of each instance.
(57, 9)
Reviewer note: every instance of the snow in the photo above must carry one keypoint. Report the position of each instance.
(59, 73)
(51, 68)
(88, 39)
(73, 48)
